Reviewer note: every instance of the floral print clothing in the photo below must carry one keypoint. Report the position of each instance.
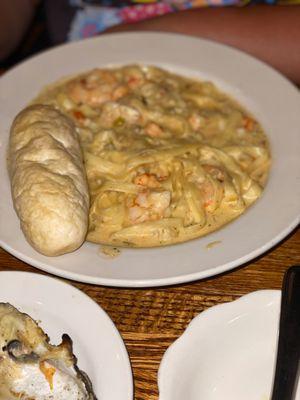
(95, 16)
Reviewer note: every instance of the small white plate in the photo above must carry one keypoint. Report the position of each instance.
(226, 353)
(61, 308)
(267, 94)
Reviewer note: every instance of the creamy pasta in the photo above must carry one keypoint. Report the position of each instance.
(167, 158)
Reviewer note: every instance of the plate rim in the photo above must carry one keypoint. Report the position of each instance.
(159, 282)
(128, 373)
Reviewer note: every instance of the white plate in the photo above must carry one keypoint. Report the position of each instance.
(62, 308)
(272, 99)
(226, 353)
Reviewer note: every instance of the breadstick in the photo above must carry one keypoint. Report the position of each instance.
(48, 182)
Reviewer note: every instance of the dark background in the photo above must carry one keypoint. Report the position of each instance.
(36, 39)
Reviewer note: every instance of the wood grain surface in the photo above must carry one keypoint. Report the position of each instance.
(151, 319)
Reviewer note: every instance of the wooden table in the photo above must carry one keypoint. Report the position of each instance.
(151, 319)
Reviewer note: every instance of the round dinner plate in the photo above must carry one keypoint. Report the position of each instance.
(227, 352)
(264, 92)
(61, 308)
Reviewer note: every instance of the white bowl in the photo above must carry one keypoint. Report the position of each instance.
(226, 353)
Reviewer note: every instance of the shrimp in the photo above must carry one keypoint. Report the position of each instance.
(134, 77)
(195, 121)
(119, 92)
(96, 88)
(211, 186)
(149, 180)
(149, 206)
(215, 172)
(248, 124)
(212, 193)
(208, 193)
(154, 130)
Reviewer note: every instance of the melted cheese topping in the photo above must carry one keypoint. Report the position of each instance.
(50, 375)
(32, 384)
(168, 158)
(48, 371)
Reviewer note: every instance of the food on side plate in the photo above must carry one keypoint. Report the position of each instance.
(48, 180)
(32, 368)
(167, 158)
